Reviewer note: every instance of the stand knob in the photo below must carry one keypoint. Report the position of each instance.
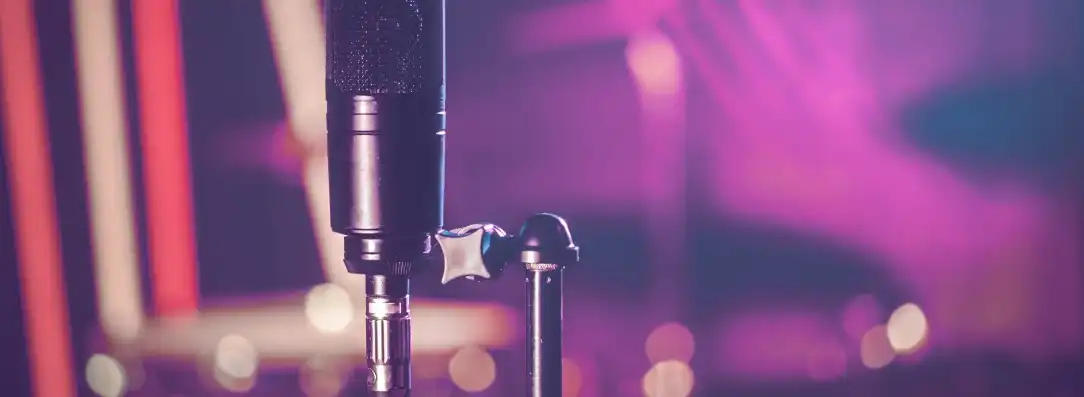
(474, 252)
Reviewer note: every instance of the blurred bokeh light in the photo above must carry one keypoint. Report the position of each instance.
(236, 363)
(669, 379)
(106, 376)
(875, 350)
(670, 341)
(654, 63)
(907, 328)
(329, 308)
(472, 369)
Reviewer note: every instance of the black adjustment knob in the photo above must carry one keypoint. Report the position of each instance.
(475, 252)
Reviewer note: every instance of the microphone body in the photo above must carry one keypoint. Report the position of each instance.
(386, 124)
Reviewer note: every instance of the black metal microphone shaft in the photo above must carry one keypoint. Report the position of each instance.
(545, 248)
(544, 322)
(386, 123)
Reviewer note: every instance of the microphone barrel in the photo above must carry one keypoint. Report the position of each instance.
(386, 126)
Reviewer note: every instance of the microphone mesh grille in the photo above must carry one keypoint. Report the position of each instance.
(380, 46)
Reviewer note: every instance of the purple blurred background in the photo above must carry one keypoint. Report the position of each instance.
(784, 198)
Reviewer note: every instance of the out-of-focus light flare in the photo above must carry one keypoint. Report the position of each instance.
(106, 376)
(282, 331)
(670, 341)
(472, 369)
(875, 349)
(654, 64)
(297, 38)
(322, 378)
(109, 192)
(236, 362)
(329, 308)
(907, 329)
(490, 325)
(571, 378)
(669, 379)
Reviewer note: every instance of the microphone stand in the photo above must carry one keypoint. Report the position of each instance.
(544, 326)
(544, 247)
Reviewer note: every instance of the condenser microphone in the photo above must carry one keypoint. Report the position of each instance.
(386, 123)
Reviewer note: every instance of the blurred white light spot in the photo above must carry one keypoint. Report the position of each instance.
(572, 378)
(654, 63)
(236, 362)
(875, 350)
(670, 341)
(472, 369)
(329, 308)
(106, 376)
(669, 379)
(907, 329)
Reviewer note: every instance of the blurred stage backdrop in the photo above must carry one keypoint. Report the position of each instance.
(774, 198)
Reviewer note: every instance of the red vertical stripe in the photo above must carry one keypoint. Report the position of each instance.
(33, 204)
(165, 156)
